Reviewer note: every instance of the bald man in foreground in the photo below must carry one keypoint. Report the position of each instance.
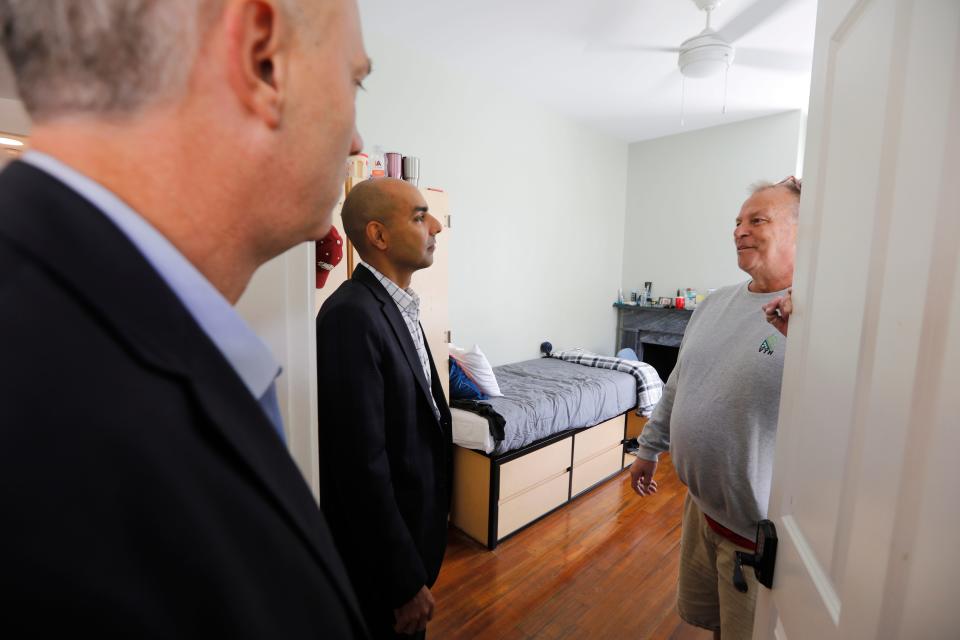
(385, 437)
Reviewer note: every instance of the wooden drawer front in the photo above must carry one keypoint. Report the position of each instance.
(534, 468)
(589, 443)
(592, 471)
(532, 504)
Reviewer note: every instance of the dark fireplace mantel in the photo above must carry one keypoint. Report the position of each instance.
(654, 333)
(650, 325)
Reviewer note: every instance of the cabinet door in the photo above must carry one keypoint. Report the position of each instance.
(432, 285)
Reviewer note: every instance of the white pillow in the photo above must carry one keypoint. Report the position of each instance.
(476, 365)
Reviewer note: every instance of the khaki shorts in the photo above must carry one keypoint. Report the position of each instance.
(706, 596)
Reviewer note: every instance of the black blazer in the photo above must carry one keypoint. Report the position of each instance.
(384, 457)
(144, 492)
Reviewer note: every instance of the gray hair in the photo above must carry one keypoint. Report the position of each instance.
(102, 57)
(792, 184)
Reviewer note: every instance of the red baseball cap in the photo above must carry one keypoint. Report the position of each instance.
(329, 255)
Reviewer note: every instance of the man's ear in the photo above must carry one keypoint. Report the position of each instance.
(376, 235)
(256, 56)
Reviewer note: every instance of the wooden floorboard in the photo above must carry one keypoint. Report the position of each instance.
(604, 566)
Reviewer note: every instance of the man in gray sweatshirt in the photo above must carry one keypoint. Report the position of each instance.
(718, 414)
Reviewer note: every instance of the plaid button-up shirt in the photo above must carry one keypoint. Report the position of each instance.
(408, 302)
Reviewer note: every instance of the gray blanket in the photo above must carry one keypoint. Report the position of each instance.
(545, 396)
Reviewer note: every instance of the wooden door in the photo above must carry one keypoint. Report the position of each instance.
(865, 476)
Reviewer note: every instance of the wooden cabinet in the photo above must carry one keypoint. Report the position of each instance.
(635, 424)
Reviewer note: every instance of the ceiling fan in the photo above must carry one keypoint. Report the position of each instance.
(711, 52)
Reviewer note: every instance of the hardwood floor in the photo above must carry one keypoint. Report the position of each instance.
(604, 566)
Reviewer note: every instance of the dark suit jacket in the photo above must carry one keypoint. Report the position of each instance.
(384, 457)
(144, 492)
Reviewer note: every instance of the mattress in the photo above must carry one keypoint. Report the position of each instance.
(471, 431)
(546, 396)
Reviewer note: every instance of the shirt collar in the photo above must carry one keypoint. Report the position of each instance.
(407, 299)
(243, 349)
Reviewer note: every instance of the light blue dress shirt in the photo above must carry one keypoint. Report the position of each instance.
(243, 349)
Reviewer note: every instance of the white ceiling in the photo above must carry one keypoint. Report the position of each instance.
(574, 56)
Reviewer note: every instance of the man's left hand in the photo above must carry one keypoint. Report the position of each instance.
(778, 311)
(415, 614)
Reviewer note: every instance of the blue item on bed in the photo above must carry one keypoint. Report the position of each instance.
(461, 386)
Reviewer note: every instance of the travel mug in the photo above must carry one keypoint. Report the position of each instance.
(411, 170)
(393, 165)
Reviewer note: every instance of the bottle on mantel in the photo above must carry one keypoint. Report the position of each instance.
(378, 163)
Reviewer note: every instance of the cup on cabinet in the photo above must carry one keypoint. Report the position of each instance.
(394, 169)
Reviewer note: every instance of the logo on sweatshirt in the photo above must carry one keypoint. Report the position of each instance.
(768, 344)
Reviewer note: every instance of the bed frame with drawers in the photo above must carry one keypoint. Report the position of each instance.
(494, 496)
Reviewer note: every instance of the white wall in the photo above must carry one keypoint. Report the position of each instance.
(537, 201)
(13, 118)
(684, 192)
(278, 305)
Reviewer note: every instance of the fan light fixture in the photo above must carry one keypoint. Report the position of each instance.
(705, 55)
(709, 55)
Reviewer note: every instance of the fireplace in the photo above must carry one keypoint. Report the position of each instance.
(661, 357)
(654, 333)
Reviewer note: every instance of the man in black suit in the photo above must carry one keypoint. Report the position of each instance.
(385, 437)
(145, 485)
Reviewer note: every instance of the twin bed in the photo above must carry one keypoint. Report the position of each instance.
(562, 432)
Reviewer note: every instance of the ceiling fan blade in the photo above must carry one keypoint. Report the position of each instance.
(771, 59)
(751, 18)
(613, 47)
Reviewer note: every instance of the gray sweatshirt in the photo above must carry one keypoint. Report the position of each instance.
(718, 414)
